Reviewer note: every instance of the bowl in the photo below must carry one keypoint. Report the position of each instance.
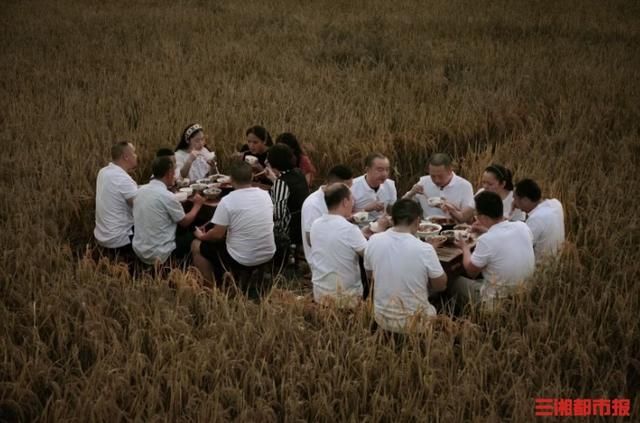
(360, 217)
(198, 187)
(251, 160)
(188, 191)
(375, 227)
(183, 182)
(181, 196)
(453, 234)
(436, 239)
(223, 179)
(426, 229)
(435, 201)
(462, 227)
(212, 193)
(442, 221)
(204, 181)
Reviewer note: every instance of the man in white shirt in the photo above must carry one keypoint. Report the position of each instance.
(336, 247)
(442, 182)
(545, 218)
(373, 191)
(245, 218)
(405, 271)
(115, 191)
(314, 205)
(504, 255)
(157, 214)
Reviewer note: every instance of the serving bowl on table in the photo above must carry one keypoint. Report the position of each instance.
(199, 188)
(445, 221)
(212, 193)
(188, 191)
(181, 196)
(360, 217)
(427, 229)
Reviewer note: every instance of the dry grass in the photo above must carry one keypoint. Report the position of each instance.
(549, 89)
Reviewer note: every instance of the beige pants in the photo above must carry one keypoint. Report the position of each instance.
(466, 290)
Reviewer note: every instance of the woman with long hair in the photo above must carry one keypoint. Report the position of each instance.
(193, 159)
(301, 159)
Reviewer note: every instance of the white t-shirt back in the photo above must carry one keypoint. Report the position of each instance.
(335, 273)
(248, 215)
(364, 195)
(515, 215)
(114, 216)
(402, 266)
(199, 168)
(505, 252)
(546, 222)
(458, 192)
(156, 213)
(313, 207)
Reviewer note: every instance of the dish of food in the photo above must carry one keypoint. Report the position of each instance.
(212, 193)
(435, 201)
(426, 229)
(441, 220)
(360, 217)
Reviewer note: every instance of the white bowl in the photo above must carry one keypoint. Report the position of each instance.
(375, 227)
(181, 196)
(360, 217)
(426, 229)
(188, 191)
(223, 179)
(251, 159)
(212, 193)
(434, 201)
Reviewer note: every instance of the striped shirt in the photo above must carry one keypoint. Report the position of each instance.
(288, 193)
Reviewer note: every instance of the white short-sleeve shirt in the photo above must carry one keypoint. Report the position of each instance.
(199, 168)
(546, 222)
(248, 215)
(458, 192)
(363, 194)
(156, 213)
(505, 252)
(114, 217)
(335, 244)
(313, 207)
(508, 211)
(402, 266)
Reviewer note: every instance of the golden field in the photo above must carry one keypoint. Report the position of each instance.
(549, 89)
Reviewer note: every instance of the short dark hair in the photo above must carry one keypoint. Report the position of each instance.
(368, 161)
(335, 194)
(117, 149)
(489, 204)
(529, 188)
(405, 212)
(440, 159)
(280, 157)
(165, 152)
(262, 134)
(339, 173)
(502, 174)
(160, 166)
(241, 173)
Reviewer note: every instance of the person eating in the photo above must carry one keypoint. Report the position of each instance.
(442, 192)
(405, 272)
(374, 191)
(115, 192)
(193, 160)
(336, 247)
(504, 255)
